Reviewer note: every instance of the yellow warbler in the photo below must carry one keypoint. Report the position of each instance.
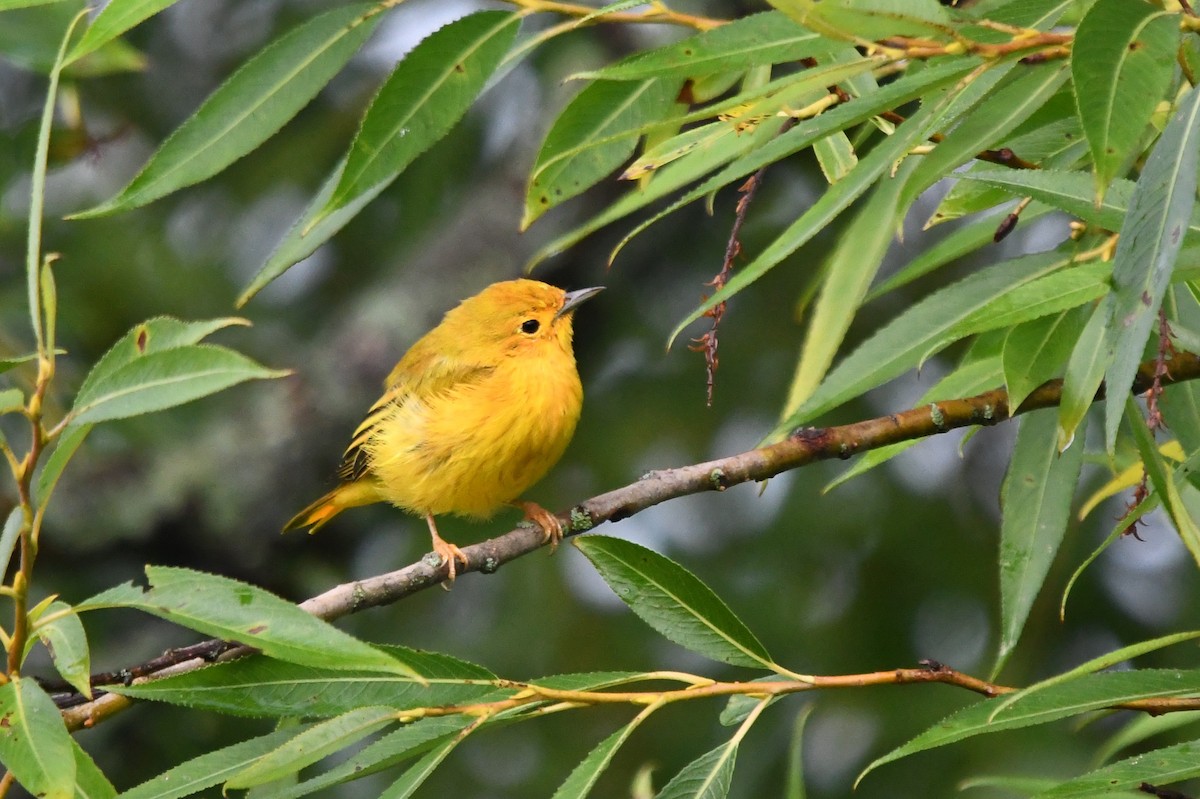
(473, 414)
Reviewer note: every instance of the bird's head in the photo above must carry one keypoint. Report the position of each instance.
(522, 315)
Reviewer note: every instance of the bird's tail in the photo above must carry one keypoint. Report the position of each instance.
(347, 495)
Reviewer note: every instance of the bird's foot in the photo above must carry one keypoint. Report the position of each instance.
(449, 553)
(551, 527)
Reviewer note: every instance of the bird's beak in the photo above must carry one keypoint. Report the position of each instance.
(574, 298)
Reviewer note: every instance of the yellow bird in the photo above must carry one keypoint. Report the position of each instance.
(476, 412)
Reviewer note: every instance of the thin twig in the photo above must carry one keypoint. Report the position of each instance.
(708, 343)
(1166, 349)
(1154, 418)
(529, 695)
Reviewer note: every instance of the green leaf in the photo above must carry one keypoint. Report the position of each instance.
(35, 747)
(1037, 351)
(1150, 241)
(1085, 372)
(1019, 785)
(11, 400)
(1050, 137)
(1144, 507)
(248, 108)
(764, 38)
(754, 149)
(997, 115)
(48, 296)
(9, 537)
(7, 364)
(1143, 728)
(68, 444)
(1035, 502)
(9, 5)
(706, 777)
(154, 335)
(593, 135)
(114, 19)
(211, 768)
(310, 231)
(417, 773)
(673, 601)
(830, 204)
(159, 334)
(963, 240)
(583, 777)
(1121, 61)
(755, 107)
(393, 748)
(868, 19)
(740, 706)
(851, 267)
(695, 144)
(1106, 661)
(67, 643)
(1159, 767)
(835, 155)
(427, 93)
(161, 380)
(237, 611)
(1090, 692)
(1068, 191)
(90, 782)
(966, 381)
(1180, 405)
(1049, 294)
(260, 686)
(608, 8)
(592, 680)
(795, 772)
(914, 335)
(1163, 478)
(35, 263)
(309, 746)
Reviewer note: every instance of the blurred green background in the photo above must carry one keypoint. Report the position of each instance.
(895, 566)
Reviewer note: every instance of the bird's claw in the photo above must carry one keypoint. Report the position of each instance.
(449, 553)
(552, 528)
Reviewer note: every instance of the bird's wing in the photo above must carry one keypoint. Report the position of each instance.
(420, 373)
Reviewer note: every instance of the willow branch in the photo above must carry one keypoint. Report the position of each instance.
(529, 695)
(803, 447)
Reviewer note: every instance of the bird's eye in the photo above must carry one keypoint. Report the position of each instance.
(530, 326)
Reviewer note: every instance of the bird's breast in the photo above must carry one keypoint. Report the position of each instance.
(470, 449)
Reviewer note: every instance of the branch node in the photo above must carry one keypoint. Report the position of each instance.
(717, 479)
(581, 520)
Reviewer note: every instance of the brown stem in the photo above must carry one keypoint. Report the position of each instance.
(801, 448)
(708, 342)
